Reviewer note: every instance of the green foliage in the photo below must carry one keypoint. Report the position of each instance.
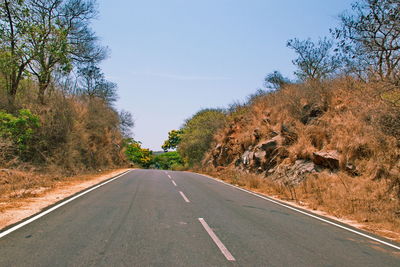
(138, 155)
(40, 37)
(174, 138)
(19, 129)
(198, 133)
(15, 53)
(168, 160)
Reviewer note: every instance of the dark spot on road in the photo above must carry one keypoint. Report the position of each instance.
(28, 236)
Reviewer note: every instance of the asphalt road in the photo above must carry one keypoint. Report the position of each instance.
(155, 218)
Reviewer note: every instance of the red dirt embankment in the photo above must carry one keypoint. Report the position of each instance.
(24, 199)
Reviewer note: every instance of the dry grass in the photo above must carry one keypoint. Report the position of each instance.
(363, 203)
(76, 133)
(19, 185)
(356, 120)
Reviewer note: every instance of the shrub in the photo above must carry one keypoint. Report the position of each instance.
(198, 133)
(138, 155)
(168, 160)
(20, 129)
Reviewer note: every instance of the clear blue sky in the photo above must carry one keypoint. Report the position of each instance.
(172, 58)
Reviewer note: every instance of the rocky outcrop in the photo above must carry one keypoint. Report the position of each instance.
(328, 159)
(294, 174)
(311, 112)
(266, 154)
(288, 135)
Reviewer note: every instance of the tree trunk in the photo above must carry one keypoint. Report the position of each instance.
(42, 90)
(12, 92)
(43, 84)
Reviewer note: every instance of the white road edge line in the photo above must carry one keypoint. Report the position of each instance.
(169, 176)
(34, 218)
(173, 182)
(306, 213)
(184, 197)
(217, 241)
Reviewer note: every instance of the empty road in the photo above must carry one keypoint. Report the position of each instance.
(166, 218)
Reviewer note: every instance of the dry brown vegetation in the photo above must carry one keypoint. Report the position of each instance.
(57, 117)
(350, 117)
(76, 134)
(17, 186)
(20, 202)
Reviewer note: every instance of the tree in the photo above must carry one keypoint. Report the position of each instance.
(369, 38)
(275, 80)
(15, 54)
(93, 84)
(60, 30)
(198, 134)
(168, 160)
(314, 61)
(43, 36)
(126, 123)
(174, 138)
(136, 154)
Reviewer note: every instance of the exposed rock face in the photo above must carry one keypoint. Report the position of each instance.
(261, 155)
(269, 146)
(294, 174)
(328, 159)
(289, 136)
(246, 157)
(311, 112)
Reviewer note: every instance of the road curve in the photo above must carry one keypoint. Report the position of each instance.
(159, 218)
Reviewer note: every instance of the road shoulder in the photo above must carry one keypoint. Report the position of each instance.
(20, 209)
(371, 228)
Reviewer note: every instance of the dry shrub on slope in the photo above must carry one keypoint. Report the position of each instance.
(342, 115)
(76, 134)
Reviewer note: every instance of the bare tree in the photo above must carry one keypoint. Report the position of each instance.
(275, 80)
(126, 123)
(93, 84)
(315, 61)
(369, 38)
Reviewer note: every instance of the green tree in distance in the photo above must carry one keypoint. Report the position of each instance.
(138, 155)
(198, 133)
(168, 160)
(174, 138)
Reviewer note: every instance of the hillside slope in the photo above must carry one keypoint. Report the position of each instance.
(333, 145)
